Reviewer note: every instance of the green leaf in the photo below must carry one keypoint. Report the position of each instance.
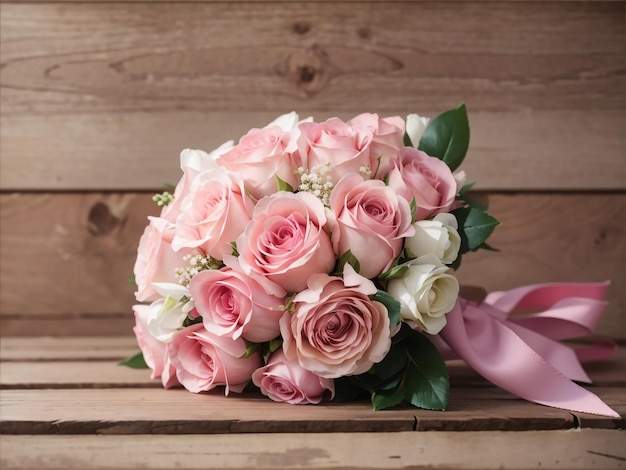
(347, 390)
(427, 384)
(413, 207)
(392, 305)
(234, 247)
(275, 344)
(465, 189)
(388, 398)
(478, 227)
(131, 280)
(135, 362)
(349, 258)
(487, 247)
(447, 137)
(397, 271)
(391, 366)
(251, 348)
(283, 185)
(407, 140)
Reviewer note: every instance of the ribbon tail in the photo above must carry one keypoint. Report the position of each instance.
(496, 352)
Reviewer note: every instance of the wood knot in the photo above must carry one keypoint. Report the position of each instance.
(364, 32)
(100, 220)
(307, 69)
(307, 73)
(301, 27)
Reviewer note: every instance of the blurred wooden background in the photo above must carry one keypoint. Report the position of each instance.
(99, 98)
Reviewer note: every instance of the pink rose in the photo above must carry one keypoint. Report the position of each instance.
(371, 222)
(234, 304)
(336, 147)
(286, 241)
(336, 330)
(192, 162)
(286, 381)
(213, 214)
(154, 351)
(387, 139)
(261, 156)
(429, 180)
(204, 361)
(156, 259)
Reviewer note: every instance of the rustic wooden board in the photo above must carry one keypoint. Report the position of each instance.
(112, 348)
(135, 92)
(29, 362)
(66, 257)
(572, 449)
(77, 427)
(115, 411)
(73, 374)
(78, 396)
(197, 56)
(142, 148)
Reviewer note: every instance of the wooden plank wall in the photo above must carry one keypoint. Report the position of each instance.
(98, 99)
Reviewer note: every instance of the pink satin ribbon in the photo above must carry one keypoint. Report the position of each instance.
(521, 353)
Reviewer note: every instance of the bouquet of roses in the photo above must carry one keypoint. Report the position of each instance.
(312, 259)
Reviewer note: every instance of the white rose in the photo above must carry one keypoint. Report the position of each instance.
(461, 179)
(200, 160)
(425, 294)
(415, 127)
(437, 237)
(166, 315)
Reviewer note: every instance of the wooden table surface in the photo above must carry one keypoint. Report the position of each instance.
(66, 404)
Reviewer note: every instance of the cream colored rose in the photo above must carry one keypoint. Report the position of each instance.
(437, 237)
(415, 127)
(426, 294)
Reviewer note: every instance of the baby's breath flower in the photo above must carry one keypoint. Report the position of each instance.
(317, 181)
(366, 171)
(163, 199)
(196, 264)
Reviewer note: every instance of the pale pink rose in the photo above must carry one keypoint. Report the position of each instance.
(152, 349)
(204, 360)
(336, 330)
(260, 156)
(335, 146)
(286, 241)
(286, 381)
(155, 352)
(234, 304)
(168, 378)
(429, 180)
(156, 259)
(371, 222)
(192, 162)
(213, 214)
(387, 139)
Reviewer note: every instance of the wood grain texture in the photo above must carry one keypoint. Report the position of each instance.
(66, 257)
(28, 362)
(115, 411)
(571, 449)
(79, 371)
(73, 374)
(122, 428)
(45, 348)
(135, 83)
(141, 148)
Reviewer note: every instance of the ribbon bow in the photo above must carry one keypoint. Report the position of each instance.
(522, 353)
